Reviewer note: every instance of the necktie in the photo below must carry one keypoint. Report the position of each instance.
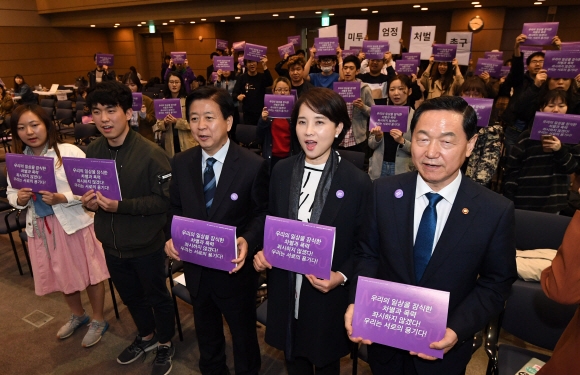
(425, 235)
(209, 183)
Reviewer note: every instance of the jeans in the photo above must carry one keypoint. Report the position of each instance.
(388, 168)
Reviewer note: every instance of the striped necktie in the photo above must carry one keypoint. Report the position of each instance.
(209, 183)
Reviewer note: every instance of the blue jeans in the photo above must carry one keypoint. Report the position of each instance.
(388, 168)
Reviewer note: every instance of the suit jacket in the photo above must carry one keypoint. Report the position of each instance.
(320, 334)
(244, 174)
(474, 258)
(561, 282)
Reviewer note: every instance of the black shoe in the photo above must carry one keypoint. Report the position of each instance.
(137, 349)
(162, 363)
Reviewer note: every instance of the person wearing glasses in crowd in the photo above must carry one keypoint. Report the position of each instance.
(178, 135)
(277, 142)
(327, 76)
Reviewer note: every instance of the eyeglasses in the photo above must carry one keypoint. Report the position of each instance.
(329, 61)
(281, 91)
(536, 62)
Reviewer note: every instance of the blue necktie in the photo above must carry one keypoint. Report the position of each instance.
(425, 235)
(209, 183)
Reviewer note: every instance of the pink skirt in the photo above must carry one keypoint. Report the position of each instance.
(71, 263)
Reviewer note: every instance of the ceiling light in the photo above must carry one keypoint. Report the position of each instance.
(375, 11)
(424, 8)
(416, 6)
(117, 24)
(203, 19)
(318, 12)
(139, 25)
(164, 23)
(143, 22)
(364, 9)
(537, 3)
(93, 25)
(191, 21)
(331, 14)
(238, 18)
(171, 20)
(474, 2)
(275, 15)
(477, 6)
(222, 20)
(290, 16)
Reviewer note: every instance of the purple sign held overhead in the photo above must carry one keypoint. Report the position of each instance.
(238, 46)
(540, 33)
(411, 56)
(204, 243)
(493, 55)
(299, 247)
(295, 40)
(279, 106)
(389, 117)
(350, 91)
(225, 63)
(402, 316)
(221, 44)
(164, 107)
(528, 50)
(407, 67)
(482, 108)
(491, 66)
(178, 57)
(29, 171)
(105, 59)
(565, 127)
(92, 174)
(570, 46)
(137, 101)
(254, 52)
(286, 49)
(349, 52)
(444, 52)
(562, 64)
(326, 46)
(375, 49)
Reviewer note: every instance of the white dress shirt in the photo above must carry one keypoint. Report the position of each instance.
(448, 193)
(220, 158)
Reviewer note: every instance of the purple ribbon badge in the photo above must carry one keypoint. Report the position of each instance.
(398, 193)
(339, 194)
(234, 197)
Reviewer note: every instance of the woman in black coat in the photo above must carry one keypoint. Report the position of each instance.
(315, 186)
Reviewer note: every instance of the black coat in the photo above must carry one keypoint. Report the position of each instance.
(320, 334)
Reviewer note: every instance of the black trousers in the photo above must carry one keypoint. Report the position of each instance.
(302, 366)
(141, 284)
(239, 311)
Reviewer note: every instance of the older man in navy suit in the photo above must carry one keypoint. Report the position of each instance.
(437, 229)
(224, 183)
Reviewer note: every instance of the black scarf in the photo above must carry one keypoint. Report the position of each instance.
(294, 202)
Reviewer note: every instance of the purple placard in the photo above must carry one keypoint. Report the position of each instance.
(444, 52)
(137, 101)
(350, 91)
(92, 174)
(28, 171)
(221, 44)
(164, 107)
(286, 49)
(411, 56)
(375, 49)
(279, 106)
(493, 67)
(402, 316)
(326, 46)
(295, 40)
(241, 61)
(254, 52)
(178, 57)
(540, 33)
(300, 247)
(294, 93)
(349, 52)
(493, 55)
(570, 46)
(482, 108)
(389, 117)
(105, 59)
(528, 50)
(565, 127)
(407, 66)
(505, 70)
(238, 46)
(562, 64)
(214, 76)
(225, 63)
(204, 243)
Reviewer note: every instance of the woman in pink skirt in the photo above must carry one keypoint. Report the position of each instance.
(64, 252)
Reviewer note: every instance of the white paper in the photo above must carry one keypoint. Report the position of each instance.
(180, 279)
(463, 42)
(391, 32)
(422, 39)
(328, 32)
(354, 33)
